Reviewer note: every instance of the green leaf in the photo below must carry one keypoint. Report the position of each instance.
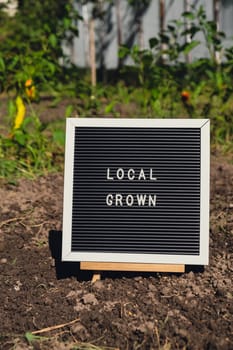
(171, 28)
(123, 52)
(51, 67)
(222, 35)
(11, 107)
(110, 107)
(66, 22)
(188, 15)
(2, 65)
(53, 40)
(69, 111)
(59, 137)
(20, 137)
(190, 46)
(153, 42)
(31, 337)
(164, 38)
(14, 62)
(191, 31)
(28, 120)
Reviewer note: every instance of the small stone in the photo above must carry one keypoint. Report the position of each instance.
(98, 284)
(183, 333)
(73, 294)
(3, 261)
(79, 306)
(90, 299)
(80, 331)
(17, 286)
(142, 328)
(138, 278)
(189, 295)
(196, 290)
(150, 326)
(191, 275)
(166, 291)
(48, 301)
(53, 263)
(152, 287)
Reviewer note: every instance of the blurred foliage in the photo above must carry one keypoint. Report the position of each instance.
(31, 43)
(161, 83)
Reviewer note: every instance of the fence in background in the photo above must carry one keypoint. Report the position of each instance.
(124, 24)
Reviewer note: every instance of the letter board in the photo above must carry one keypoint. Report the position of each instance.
(136, 190)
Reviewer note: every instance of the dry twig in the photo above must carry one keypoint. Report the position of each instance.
(52, 328)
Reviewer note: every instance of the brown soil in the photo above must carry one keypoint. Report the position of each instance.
(122, 311)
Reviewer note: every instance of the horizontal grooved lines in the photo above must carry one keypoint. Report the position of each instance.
(164, 217)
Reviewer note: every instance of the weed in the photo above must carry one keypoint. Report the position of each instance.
(32, 338)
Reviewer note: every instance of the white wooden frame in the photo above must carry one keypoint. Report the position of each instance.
(68, 255)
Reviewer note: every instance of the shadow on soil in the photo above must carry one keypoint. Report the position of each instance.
(66, 269)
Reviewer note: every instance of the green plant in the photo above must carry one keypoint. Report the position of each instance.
(32, 338)
(143, 61)
(29, 149)
(31, 43)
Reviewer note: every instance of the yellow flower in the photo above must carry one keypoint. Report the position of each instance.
(21, 110)
(30, 89)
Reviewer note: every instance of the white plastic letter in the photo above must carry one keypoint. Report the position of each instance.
(120, 173)
(119, 200)
(141, 198)
(129, 200)
(151, 175)
(141, 175)
(109, 199)
(131, 174)
(152, 200)
(108, 175)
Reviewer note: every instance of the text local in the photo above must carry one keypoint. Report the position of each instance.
(130, 200)
(131, 174)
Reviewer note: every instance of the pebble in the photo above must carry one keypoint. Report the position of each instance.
(48, 301)
(81, 331)
(166, 291)
(191, 275)
(229, 295)
(90, 299)
(189, 295)
(196, 290)
(152, 287)
(98, 285)
(53, 263)
(150, 326)
(17, 286)
(138, 279)
(3, 261)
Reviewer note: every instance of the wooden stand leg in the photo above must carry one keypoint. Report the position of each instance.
(96, 277)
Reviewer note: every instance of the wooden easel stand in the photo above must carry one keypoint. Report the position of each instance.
(136, 267)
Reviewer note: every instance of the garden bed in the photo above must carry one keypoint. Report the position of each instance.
(122, 311)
